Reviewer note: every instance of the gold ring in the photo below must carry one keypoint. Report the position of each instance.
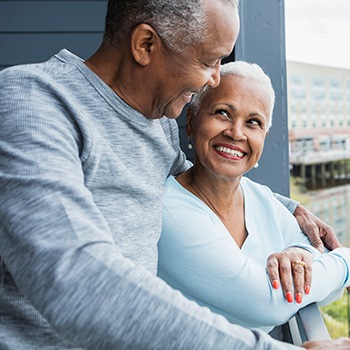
(299, 262)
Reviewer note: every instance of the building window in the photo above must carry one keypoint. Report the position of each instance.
(318, 95)
(318, 81)
(335, 82)
(325, 143)
(335, 96)
(297, 79)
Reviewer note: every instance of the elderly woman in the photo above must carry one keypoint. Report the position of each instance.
(219, 227)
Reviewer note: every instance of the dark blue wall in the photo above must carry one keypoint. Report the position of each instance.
(32, 31)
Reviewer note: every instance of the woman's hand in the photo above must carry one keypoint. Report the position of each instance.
(339, 344)
(320, 234)
(292, 270)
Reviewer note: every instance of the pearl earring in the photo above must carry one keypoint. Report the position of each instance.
(189, 143)
(256, 165)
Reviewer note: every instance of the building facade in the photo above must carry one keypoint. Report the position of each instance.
(319, 139)
(319, 122)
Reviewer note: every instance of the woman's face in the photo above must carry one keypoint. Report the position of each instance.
(230, 127)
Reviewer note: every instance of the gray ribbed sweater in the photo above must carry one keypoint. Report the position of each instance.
(81, 181)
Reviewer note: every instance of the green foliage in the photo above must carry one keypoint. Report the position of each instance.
(297, 192)
(338, 309)
(336, 317)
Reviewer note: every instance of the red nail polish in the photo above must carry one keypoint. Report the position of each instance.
(289, 297)
(275, 284)
(307, 290)
(299, 298)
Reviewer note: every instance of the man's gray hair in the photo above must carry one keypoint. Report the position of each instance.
(251, 71)
(177, 22)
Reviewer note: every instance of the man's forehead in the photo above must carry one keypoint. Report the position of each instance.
(222, 26)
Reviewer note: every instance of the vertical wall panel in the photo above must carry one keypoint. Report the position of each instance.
(262, 40)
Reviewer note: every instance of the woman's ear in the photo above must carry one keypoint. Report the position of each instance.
(144, 41)
(189, 118)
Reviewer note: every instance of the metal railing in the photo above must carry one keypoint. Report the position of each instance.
(307, 324)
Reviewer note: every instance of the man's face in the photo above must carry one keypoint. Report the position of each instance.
(182, 74)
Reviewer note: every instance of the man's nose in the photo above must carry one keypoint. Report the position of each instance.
(214, 79)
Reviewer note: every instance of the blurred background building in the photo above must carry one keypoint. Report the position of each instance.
(319, 141)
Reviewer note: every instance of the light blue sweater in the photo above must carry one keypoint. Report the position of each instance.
(81, 183)
(198, 256)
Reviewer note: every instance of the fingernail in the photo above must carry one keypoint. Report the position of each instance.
(289, 297)
(275, 284)
(299, 298)
(307, 290)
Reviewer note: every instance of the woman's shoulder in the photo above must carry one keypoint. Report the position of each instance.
(180, 204)
(171, 186)
(255, 187)
(175, 192)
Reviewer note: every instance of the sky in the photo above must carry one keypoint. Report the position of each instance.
(318, 32)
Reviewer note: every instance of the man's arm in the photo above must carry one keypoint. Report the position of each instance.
(319, 233)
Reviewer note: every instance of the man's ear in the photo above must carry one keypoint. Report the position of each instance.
(144, 41)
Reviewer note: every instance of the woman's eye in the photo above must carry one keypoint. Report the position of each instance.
(222, 112)
(254, 122)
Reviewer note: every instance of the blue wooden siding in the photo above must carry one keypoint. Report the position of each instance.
(32, 31)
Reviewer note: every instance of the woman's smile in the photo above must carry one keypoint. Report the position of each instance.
(230, 151)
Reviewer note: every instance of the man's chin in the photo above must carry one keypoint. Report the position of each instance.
(174, 113)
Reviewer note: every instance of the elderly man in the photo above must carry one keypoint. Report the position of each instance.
(85, 150)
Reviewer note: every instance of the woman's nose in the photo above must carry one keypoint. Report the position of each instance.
(235, 131)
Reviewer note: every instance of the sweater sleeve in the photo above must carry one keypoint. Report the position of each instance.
(289, 203)
(197, 257)
(60, 252)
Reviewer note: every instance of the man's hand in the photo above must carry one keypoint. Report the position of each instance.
(320, 234)
(339, 344)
